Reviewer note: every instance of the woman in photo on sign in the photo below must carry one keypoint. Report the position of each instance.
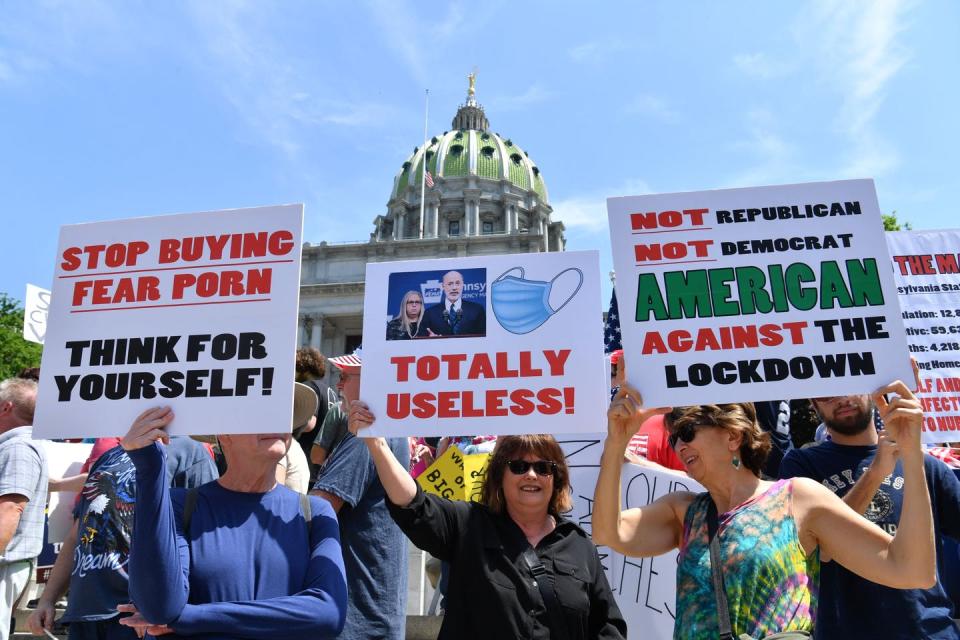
(406, 324)
(770, 536)
(517, 567)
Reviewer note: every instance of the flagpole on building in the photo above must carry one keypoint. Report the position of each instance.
(423, 172)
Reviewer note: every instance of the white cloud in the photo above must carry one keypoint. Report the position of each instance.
(595, 51)
(268, 85)
(759, 65)
(534, 94)
(587, 212)
(651, 106)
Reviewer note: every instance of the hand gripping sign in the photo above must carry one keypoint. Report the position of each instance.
(522, 305)
(514, 353)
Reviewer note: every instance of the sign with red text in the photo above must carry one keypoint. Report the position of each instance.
(926, 267)
(756, 294)
(484, 345)
(196, 311)
(36, 304)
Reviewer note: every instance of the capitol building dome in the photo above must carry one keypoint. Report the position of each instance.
(478, 183)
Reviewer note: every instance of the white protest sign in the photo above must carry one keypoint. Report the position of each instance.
(36, 305)
(64, 459)
(756, 294)
(645, 588)
(927, 273)
(196, 311)
(511, 344)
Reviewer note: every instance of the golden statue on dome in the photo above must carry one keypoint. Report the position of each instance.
(472, 90)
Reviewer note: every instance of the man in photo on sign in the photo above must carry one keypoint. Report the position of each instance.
(454, 316)
(863, 467)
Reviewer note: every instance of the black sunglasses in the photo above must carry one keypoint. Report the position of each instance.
(540, 467)
(686, 433)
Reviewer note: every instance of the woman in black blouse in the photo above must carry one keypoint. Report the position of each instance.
(406, 325)
(518, 568)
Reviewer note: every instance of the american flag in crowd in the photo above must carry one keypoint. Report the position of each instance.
(611, 329)
(429, 179)
(946, 455)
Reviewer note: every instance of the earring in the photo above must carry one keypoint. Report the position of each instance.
(735, 462)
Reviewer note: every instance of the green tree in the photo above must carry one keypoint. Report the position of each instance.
(890, 222)
(15, 352)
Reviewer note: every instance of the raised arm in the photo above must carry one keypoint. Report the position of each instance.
(906, 561)
(159, 559)
(652, 530)
(397, 482)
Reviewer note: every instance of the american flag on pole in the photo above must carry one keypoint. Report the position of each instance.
(429, 180)
(611, 329)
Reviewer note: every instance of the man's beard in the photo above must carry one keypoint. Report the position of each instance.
(852, 425)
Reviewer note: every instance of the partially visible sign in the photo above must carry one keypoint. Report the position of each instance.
(926, 267)
(36, 305)
(456, 476)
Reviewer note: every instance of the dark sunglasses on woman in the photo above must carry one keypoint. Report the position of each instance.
(686, 433)
(540, 467)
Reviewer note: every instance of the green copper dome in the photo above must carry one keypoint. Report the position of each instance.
(471, 149)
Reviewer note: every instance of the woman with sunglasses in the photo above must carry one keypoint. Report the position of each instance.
(518, 568)
(772, 535)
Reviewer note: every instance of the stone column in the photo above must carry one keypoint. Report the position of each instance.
(302, 322)
(316, 333)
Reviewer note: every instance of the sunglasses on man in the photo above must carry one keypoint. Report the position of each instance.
(540, 467)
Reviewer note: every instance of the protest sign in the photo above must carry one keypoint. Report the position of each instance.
(455, 476)
(195, 311)
(517, 352)
(646, 588)
(36, 304)
(927, 274)
(64, 459)
(756, 294)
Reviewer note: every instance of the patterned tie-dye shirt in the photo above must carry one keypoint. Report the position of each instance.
(771, 584)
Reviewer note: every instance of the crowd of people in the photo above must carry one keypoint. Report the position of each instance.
(300, 532)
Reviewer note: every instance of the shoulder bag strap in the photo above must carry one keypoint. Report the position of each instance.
(307, 511)
(719, 590)
(544, 580)
(189, 506)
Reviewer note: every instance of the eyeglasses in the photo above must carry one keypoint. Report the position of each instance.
(540, 467)
(686, 433)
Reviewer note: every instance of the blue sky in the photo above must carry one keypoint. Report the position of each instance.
(119, 109)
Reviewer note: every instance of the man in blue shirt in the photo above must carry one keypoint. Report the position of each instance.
(374, 547)
(861, 466)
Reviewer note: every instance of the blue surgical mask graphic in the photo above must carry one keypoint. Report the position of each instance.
(522, 305)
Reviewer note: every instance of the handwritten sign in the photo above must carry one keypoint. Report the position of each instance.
(196, 311)
(756, 294)
(36, 305)
(455, 476)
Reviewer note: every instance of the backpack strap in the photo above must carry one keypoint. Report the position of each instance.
(545, 583)
(189, 506)
(307, 511)
(716, 571)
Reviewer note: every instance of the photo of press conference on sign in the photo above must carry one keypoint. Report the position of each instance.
(437, 304)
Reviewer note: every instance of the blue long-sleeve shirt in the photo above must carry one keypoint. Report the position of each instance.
(247, 568)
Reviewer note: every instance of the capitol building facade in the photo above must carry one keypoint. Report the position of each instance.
(487, 197)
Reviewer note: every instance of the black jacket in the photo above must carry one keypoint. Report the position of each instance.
(491, 593)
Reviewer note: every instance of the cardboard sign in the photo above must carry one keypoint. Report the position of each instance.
(456, 476)
(927, 274)
(195, 311)
(756, 294)
(506, 345)
(36, 305)
(474, 475)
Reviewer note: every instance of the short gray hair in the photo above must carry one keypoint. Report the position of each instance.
(23, 394)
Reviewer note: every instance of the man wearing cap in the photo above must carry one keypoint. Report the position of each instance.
(242, 557)
(374, 548)
(861, 466)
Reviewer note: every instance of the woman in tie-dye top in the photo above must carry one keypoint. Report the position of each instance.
(772, 536)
